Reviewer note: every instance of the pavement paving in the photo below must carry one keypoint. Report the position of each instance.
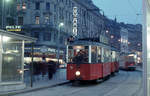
(39, 83)
(125, 83)
(59, 78)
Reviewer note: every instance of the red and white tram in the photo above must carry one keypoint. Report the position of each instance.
(90, 61)
(128, 61)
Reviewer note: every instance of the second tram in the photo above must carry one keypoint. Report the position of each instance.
(128, 61)
(90, 61)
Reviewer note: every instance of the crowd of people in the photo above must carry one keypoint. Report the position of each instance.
(44, 68)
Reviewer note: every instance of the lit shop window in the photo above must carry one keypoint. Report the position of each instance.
(24, 6)
(37, 20)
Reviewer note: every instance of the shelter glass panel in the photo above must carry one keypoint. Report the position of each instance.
(11, 60)
(0, 57)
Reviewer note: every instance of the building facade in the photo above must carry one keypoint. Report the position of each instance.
(7, 13)
(124, 40)
(41, 19)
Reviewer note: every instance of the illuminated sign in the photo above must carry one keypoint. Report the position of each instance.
(13, 28)
(75, 13)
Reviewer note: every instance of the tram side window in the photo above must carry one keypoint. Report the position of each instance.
(99, 54)
(113, 56)
(70, 54)
(106, 55)
(94, 54)
(117, 56)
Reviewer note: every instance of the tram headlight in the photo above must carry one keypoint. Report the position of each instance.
(77, 73)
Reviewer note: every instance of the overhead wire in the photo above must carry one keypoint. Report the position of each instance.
(135, 11)
(132, 6)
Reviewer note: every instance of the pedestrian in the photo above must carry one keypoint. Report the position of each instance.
(43, 67)
(50, 69)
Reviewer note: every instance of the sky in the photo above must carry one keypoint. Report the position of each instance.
(124, 10)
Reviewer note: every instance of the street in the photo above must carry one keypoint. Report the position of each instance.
(125, 83)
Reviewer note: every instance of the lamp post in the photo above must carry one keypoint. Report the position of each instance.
(58, 46)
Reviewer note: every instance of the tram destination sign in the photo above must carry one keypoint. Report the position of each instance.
(13, 28)
(75, 21)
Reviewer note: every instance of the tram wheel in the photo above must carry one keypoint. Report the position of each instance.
(72, 81)
(97, 81)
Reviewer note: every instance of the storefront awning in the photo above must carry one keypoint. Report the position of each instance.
(17, 36)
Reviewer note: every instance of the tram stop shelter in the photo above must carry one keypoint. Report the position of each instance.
(12, 60)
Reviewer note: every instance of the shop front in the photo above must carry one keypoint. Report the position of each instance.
(49, 53)
(11, 60)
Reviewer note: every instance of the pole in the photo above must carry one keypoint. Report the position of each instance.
(58, 48)
(145, 49)
(3, 13)
(31, 66)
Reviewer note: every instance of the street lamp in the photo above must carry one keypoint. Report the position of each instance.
(61, 24)
(7, 0)
(58, 46)
(112, 36)
(107, 31)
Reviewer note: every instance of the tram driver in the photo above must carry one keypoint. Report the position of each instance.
(81, 57)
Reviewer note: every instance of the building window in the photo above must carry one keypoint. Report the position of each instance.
(18, 7)
(47, 6)
(10, 21)
(24, 6)
(36, 35)
(55, 36)
(20, 20)
(55, 7)
(37, 20)
(61, 40)
(37, 5)
(46, 19)
(47, 36)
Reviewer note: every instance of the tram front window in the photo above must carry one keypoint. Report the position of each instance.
(78, 54)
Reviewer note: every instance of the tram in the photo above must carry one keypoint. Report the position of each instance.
(128, 61)
(90, 61)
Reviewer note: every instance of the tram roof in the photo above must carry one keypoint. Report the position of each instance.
(87, 43)
(114, 49)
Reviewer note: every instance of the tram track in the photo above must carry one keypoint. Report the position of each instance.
(103, 84)
(136, 93)
(111, 87)
(118, 85)
(127, 83)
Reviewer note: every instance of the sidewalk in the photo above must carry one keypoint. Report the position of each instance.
(59, 78)
(139, 68)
